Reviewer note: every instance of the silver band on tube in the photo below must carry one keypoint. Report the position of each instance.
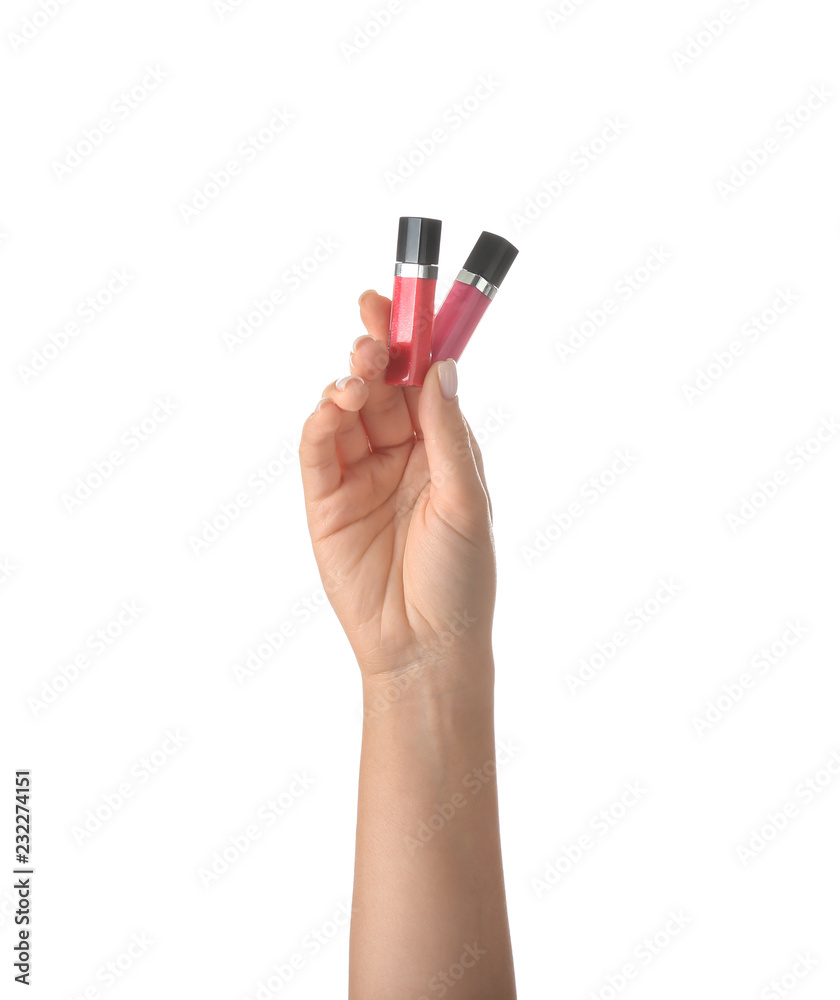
(482, 284)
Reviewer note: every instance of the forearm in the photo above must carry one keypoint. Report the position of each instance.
(429, 890)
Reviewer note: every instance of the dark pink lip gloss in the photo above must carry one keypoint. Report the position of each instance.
(413, 305)
(470, 295)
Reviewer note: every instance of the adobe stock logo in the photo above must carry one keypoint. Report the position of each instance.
(89, 309)
(99, 641)
(225, 7)
(622, 292)
(452, 119)
(581, 159)
(774, 822)
(120, 110)
(564, 10)
(796, 460)
(265, 647)
(600, 823)
(803, 965)
(247, 151)
(264, 306)
(131, 440)
(228, 512)
(786, 127)
(709, 32)
(735, 690)
(267, 815)
(371, 29)
(562, 521)
(444, 812)
(113, 800)
(282, 972)
(7, 570)
(440, 983)
(111, 973)
(646, 952)
(34, 23)
(636, 619)
(751, 333)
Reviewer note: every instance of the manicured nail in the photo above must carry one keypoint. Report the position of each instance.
(358, 340)
(366, 292)
(448, 376)
(342, 383)
(320, 404)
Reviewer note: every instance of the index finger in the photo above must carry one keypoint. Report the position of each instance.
(385, 413)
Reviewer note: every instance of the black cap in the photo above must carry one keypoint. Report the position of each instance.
(491, 257)
(419, 240)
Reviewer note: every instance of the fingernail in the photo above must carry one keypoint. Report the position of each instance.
(342, 383)
(448, 377)
(358, 340)
(320, 404)
(364, 293)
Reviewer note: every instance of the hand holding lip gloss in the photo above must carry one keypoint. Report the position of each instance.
(413, 305)
(471, 294)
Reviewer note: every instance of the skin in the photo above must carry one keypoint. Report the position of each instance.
(401, 526)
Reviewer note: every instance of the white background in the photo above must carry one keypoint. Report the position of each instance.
(549, 425)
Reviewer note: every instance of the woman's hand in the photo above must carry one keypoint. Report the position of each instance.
(401, 526)
(399, 514)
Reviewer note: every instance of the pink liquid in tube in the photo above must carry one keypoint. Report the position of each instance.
(471, 293)
(456, 320)
(413, 303)
(410, 339)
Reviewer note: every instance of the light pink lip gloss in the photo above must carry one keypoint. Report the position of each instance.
(413, 304)
(470, 295)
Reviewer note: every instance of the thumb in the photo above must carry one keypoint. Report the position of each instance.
(456, 483)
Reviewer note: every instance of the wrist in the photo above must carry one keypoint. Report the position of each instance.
(442, 692)
(430, 744)
(424, 672)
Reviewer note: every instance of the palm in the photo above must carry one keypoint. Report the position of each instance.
(394, 570)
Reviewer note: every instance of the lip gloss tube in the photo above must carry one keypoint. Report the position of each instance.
(470, 295)
(413, 304)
